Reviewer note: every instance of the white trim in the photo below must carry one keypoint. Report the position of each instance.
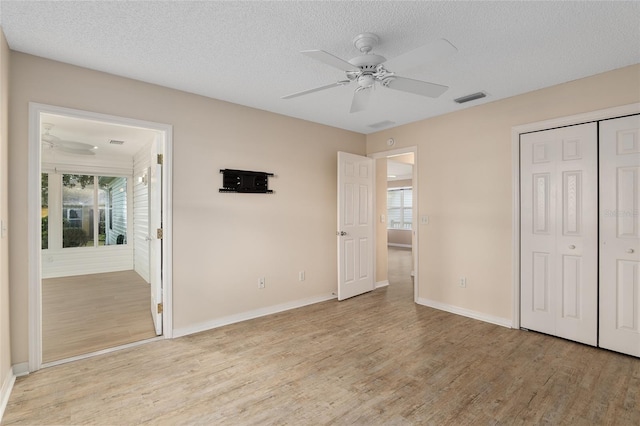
(34, 240)
(503, 322)
(515, 228)
(380, 284)
(33, 217)
(21, 369)
(398, 245)
(414, 183)
(167, 229)
(101, 352)
(5, 391)
(256, 313)
(598, 115)
(87, 169)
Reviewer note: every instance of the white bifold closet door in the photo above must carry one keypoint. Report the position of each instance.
(559, 232)
(620, 235)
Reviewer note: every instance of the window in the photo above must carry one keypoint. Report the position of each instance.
(113, 210)
(93, 211)
(399, 208)
(44, 204)
(77, 210)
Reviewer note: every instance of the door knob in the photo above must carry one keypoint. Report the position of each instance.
(571, 247)
(341, 233)
(630, 250)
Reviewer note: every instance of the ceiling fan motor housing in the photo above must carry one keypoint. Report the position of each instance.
(367, 62)
(369, 65)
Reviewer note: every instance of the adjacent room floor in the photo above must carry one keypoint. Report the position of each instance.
(88, 313)
(374, 359)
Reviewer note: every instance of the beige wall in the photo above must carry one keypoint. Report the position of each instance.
(223, 243)
(399, 236)
(404, 158)
(465, 185)
(5, 344)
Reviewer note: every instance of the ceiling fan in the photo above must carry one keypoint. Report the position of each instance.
(368, 69)
(71, 147)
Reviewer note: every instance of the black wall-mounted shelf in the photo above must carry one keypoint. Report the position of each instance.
(245, 181)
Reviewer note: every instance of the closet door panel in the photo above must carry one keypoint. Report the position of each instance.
(620, 235)
(577, 238)
(538, 224)
(559, 232)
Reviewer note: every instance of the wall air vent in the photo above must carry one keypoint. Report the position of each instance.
(115, 142)
(471, 97)
(382, 124)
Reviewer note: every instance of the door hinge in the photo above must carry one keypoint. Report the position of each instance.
(160, 159)
(159, 233)
(160, 308)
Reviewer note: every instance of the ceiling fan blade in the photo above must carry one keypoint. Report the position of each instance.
(360, 100)
(46, 137)
(317, 89)
(75, 145)
(433, 51)
(329, 59)
(418, 87)
(78, 151)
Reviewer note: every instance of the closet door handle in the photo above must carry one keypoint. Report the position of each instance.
(630, 250)
(571, 247)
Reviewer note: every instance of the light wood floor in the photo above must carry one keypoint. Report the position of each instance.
(88, 313)
(374, 359)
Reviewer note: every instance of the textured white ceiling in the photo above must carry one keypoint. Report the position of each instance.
(248, 52)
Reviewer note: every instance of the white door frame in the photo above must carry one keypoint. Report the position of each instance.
(34, 219)
(598, 115)
(414, 244)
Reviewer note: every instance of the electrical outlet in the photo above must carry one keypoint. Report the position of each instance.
(463, 282)
(301, 276)
(261, 282)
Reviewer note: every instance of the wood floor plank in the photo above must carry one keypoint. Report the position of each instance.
(87, 313)
(374, 359)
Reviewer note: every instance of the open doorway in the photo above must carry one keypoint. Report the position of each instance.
(101, 250)
(399, 220)
(396, 206)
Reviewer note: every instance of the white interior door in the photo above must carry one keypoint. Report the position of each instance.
(355, 225)
(620, 235)
(559, 223)
(155, 240)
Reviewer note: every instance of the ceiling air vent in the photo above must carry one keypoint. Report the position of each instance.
(115, 142)
(382, 124)
(471, 97)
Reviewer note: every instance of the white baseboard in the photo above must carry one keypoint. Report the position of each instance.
(382, 283)
(5, 391)
(504, 322)
(244, 316)
(398, 245)
(21, 369)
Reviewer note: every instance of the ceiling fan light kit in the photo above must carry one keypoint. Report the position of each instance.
(368, 69)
